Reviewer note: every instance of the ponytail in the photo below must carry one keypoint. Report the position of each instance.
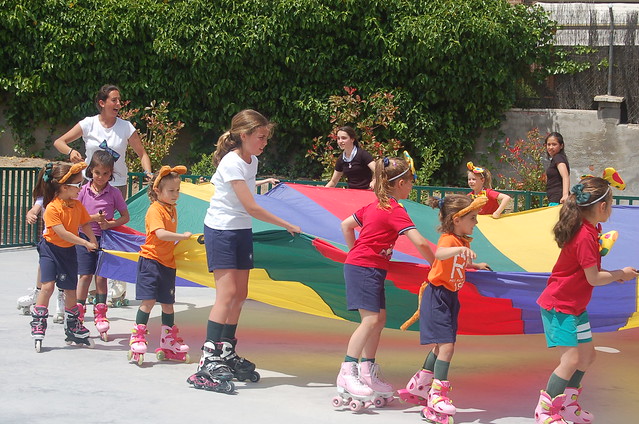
(387, 172)
(243, 122)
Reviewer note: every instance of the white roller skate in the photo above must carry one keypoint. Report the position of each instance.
(100, 320)
(369, 374)
(58, 318)
(417, 389)
(138, 343)
(212, 372)
(548, 410)
(116, 294)
(439, 409)
(351, 391)
(26, 302)
(172, 346)
(242, 368)
(39, 325)
(74, 329)
(571, 410)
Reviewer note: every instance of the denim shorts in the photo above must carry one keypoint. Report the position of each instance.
(365, 288)
(565, 329)
(228, 249)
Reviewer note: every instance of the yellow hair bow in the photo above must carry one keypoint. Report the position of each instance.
(411, 164)
(75, 169)
(612, 176)
(166, 170)
(474, 169)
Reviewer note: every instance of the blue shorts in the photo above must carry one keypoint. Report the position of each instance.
(87, 261)
(155, 281)
(565, 329)
(228, 249)
(438, 315)
(59, 264)
(365, 288)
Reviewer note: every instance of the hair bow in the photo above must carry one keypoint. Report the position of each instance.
(166, 170)
(580, 196)
(476, 204)
(386, 161)
(75, 169)
(612, 176)
(411, 164)
(440, 203)
(474, 169)
(48, 171)
(109, 150)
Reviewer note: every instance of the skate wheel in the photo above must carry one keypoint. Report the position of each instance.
(140, 359)
(356, 405)
(336, 401)
(229, 387)
(90, 343)
(160, 355)
(68, 342)
(118, 304)
(125, 302)
(379, 402)
(254, 377)
(104, 337)
(38, 346)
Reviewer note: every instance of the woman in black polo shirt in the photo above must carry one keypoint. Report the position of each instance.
(356, 163)
(558, 172)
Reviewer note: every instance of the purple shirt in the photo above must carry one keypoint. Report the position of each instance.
(108, 200)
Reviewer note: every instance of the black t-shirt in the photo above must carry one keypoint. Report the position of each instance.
(554, 183)
(358, 174)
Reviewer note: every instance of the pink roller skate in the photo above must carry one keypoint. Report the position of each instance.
(172, 346)
(416, 391)
(39, 325)
(439, 409)
(548, 410)
(369, 374)
(138, 343)
(571, 411)
(351, 391)
(100, 320)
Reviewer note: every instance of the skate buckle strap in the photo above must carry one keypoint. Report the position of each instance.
(173, 334)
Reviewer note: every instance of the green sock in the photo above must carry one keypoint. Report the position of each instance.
(228, 332)
(142, 317)
(556, 386)
(168, 319)
(429, 363)
(100, 298)
(372, 360)
(82, 301)
(214, 331)
(575, 380)
(441, 369)
(350, 359)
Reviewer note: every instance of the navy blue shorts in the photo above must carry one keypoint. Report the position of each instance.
(59, 264)
(87, 261)
(365, 288)
(155, 281)
(228, 249)
(438, 314)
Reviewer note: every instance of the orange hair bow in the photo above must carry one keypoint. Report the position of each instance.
(166, 170)
(75, 169)
(476, 204)
(474, 169)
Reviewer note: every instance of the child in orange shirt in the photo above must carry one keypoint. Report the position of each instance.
(439, 307)
(156, 268)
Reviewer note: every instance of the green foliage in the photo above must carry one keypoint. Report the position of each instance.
(572, 60)
(203, 167)
(451, 65)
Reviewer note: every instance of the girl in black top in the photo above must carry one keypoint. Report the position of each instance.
(356, 163)
(558, 172)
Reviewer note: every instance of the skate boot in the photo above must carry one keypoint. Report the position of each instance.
(116, 295)
(548, 410)
(242, 368)
(26, 302)
(417, 389)
(439, 409)
(138, 343)
(571, 411)
(369, 374)
(212, 372)
(100, 320)
(74, 330)
(59, 313)
(172, 346)
(350, 389)
(39, 325)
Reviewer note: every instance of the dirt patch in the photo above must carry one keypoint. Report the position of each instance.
(16, 162)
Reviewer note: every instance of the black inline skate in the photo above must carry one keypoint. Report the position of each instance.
(212, 372)
(39, 325)
(74, 330)
(242, 368)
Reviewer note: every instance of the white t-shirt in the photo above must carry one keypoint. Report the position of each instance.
(117, 138)
(226, 211)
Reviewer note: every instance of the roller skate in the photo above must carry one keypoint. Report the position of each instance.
(100, 320)
(439, 409)
(39, 325)
(548, 410)
(26, 302)
(242, 368)
(212, 372)
(59, 312)
(571, 411)
(116, 295)
(416, 391)
(172, 346)
(138, 343)
(351, 391)
(369, 374)
(74, 330)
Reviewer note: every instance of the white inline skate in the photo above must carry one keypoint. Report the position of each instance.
(58, 318)
(369, 374)
(351, 391)
(26, 302)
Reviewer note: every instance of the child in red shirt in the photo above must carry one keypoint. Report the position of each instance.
(480, 180)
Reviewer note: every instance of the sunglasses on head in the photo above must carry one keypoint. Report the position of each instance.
(77, 185)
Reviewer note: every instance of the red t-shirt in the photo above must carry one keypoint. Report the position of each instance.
(451, 272)
(492, 204)
(568, 290)
(380, 229)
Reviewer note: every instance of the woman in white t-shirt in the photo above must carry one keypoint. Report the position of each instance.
(228, 239)
(107, 132)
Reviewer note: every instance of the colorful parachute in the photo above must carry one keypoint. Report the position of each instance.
(305, 273)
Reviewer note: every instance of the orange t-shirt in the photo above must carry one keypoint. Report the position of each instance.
(451, 272)
(71, 214)
(159, 216)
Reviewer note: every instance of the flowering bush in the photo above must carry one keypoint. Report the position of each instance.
(374, 119)
(525, 157)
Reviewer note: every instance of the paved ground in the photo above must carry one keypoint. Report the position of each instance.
(496, 379)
